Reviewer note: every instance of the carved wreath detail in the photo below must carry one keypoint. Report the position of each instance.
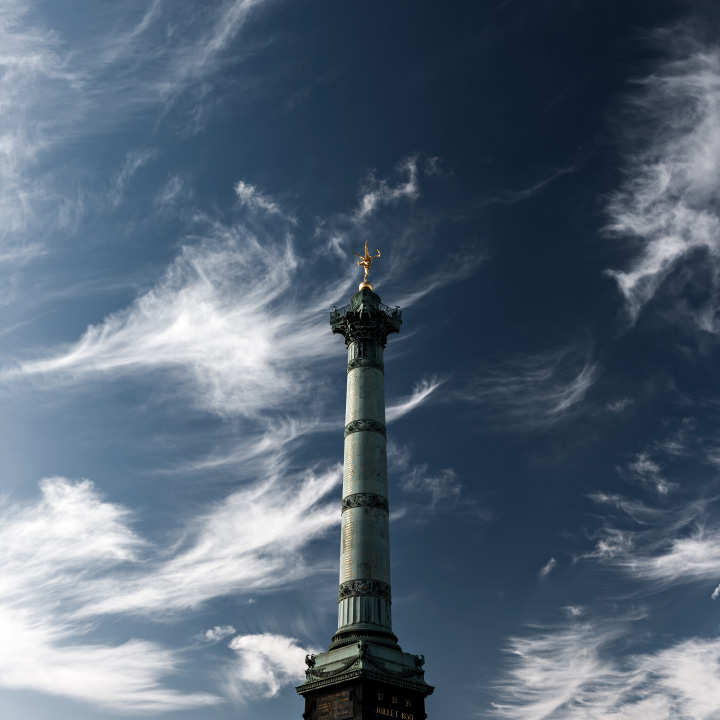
(365, 425)
(368, 362)
(364, 587)
(365, 500)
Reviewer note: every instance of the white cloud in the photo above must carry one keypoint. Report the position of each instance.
(376, 193)
(579, 672)
(638, 511)
(253, 199)
(56, 88)
(173, 190)
(668, 205)
(548, 567)
(71, 558)
(265, 664)
(617, 406)
(218, 632)
(613, 544)
(426, 491)
(134, 160)
(36, 75)
(555, 672)
(442, 487)
(696, 557)
(48, 550)
(421, 392)
(672, 545)
(648, 473)
(251, 542)
(533, 389)
(222, 325)
(514, 196)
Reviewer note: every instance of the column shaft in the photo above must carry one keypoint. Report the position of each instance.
(365, 547)
(364, 596)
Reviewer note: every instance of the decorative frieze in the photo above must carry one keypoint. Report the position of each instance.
(370, 500)
(366, 362)
(365, 426)
(352, 588)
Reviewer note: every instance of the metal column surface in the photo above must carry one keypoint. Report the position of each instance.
(364, 597)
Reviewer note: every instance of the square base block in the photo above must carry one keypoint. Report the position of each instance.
(364, 699)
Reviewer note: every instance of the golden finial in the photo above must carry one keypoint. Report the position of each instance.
(366, 262)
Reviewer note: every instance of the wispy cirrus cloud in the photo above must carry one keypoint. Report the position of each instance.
(510, 197)
(582, 671)
(619, 405)
(71, 558)
(648, 472)
(223, 316)
(536, 389)
(421, 392)
(441, 487)
(57, 86)
(651, 468)
(134, 160)
(174, 189)
(667, 206)
(548, 567)
(427, 491)
(661, 546)
(378, 192)
(252, 199)
(48, 549)
(250, 542)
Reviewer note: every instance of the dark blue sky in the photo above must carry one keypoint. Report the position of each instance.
(180, 187)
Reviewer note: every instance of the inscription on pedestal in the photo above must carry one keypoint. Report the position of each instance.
(336, 706)
(394, 705)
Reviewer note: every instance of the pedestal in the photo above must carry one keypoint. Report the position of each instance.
(363, 681)
(365, 700)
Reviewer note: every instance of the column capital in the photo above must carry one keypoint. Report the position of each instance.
(366, 318)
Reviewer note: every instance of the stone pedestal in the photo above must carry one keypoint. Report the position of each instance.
(362, 702)
(364, 681)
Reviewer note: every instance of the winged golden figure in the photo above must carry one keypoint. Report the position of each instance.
(366, 261)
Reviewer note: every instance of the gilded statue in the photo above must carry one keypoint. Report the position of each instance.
(366, 261)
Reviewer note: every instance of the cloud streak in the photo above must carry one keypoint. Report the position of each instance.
(48, 549)
(252, 198)
(667, 207)
(664, 546)
(421, 392)
(223, 318)
(534, 389)
(58, 87)
(548, 567)
(582, 671)
(251, 542)
(70, 559)
(513, 196)
(378, 192)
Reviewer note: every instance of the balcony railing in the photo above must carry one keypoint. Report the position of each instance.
(337, 314)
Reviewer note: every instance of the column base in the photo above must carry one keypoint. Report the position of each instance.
(353, 634)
